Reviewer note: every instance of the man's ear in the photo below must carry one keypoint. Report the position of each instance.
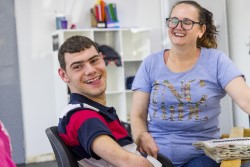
(63, 75)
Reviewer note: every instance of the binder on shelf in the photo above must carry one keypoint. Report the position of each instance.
(101, 24)
(107, 13)
(112, 12)
(111, 16)
(93, 17)
(104, 15)
(102, 9)
(98, 12)
(96, 18)
(115, 12)
(110, 24)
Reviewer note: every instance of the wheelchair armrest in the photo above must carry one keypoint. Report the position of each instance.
(161, 158)
(164, 160)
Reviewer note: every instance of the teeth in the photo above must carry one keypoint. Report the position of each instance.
(178, 34)
(92, 80)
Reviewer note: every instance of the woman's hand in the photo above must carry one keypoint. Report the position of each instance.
(146, 144)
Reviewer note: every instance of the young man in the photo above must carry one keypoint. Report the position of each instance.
(92, 130)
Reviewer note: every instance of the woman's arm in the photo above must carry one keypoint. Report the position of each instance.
(239, 91)
(138, 119)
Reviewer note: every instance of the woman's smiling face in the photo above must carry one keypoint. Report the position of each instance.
(180, 36)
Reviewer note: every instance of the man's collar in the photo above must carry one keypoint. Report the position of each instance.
(78, 98)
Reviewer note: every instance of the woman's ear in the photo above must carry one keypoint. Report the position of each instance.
(203, 30)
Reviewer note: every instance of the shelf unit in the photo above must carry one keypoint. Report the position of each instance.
(132, 44)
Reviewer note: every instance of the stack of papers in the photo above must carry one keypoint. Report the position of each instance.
(225, 149)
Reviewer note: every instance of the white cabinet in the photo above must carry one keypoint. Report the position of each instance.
(132, 44)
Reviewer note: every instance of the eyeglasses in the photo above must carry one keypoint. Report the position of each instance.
(186, 24)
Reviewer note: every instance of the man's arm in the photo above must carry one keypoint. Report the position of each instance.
(105, 147)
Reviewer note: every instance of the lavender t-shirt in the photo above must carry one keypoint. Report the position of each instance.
(184, 107)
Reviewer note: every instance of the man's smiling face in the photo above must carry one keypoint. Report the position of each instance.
(85, 73)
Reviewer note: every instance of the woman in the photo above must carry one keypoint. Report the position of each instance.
(178, 91)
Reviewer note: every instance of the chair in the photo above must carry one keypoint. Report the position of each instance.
(65, 157)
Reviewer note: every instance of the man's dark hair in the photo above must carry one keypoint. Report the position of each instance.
(74, 44)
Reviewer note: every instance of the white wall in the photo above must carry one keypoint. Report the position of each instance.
(33, 31)
(35, 24)
(239, 40)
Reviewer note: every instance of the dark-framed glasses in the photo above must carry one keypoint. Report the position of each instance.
(186, 24)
